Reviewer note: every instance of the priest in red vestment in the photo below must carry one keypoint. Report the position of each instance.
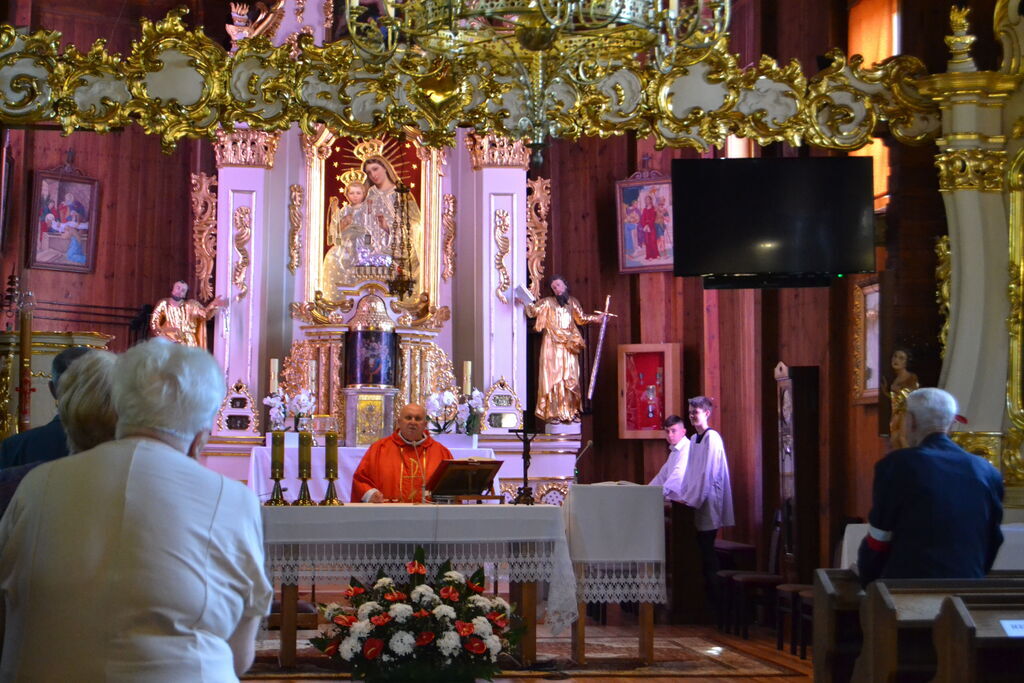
(397, 467)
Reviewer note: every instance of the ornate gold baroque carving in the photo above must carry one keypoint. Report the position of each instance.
(495, 151)
(371, 314)
(8, 420)
(502, 243)
(266, 24)
(300, 9)
(971, 169)
(292, 41)
(988, 445)
(243, 233)
(204, 232)
(320, 310)
(328, 6)
(240, 388)
(245, 147)
(266, 88)
(943, 281)
(448, 221)
(295, 228)
(537, 212)
(295, 367)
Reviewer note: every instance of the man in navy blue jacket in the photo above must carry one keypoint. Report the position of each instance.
(936, 508)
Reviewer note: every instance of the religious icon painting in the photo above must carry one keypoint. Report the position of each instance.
(644, 207)
(649, 385)
(370, 357)
(63, 222)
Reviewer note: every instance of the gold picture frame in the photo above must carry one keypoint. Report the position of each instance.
(867, 366)
(649, 389)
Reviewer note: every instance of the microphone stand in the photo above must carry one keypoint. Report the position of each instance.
(524, 496)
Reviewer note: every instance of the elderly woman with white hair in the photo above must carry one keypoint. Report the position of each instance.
(152, 563)
(936, 508)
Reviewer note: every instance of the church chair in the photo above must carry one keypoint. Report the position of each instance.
(742, 591)
(805, 617)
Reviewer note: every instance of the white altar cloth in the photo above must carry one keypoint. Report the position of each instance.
(513, 542)
(348, 461)
(617, 542)
(1010, 555)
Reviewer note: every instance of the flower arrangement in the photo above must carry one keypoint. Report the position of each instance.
(440, 411)
(414, 630)
(470, 413)
(278, 402)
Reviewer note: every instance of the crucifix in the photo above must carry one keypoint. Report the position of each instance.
(524, 495)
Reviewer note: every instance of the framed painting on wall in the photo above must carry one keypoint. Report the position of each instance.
(867, 367)
(63, 222)
(649, 389)
(644, 207)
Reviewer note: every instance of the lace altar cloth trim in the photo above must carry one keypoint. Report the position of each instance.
(544, 561)
(621, 582)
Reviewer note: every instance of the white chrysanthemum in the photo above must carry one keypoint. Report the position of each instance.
(367, 609)
(449, 643)
(443, 612)
(501, 605)
(493, 644)
(423, 594)
(448, 398)
(433, 405)
(479, 601)
(476, 400)
(383, 583)
(482, 627)
(454, 577)
(400, 612)
(348, 648)
(360, 629)
(386, 658)
(402, 643)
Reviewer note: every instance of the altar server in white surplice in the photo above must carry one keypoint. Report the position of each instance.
(670, 476)
(131, 561)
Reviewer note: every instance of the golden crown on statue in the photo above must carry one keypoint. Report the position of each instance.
(352, 175)
(369, 148)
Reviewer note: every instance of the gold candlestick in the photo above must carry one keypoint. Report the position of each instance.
(305, 453)
(277, 469)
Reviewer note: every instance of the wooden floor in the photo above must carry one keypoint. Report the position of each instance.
(760, 645)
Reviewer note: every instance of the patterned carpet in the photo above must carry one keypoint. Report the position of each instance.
(678, 657)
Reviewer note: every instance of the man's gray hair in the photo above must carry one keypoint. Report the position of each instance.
(171, 388)
(85, 406)
(933, 410)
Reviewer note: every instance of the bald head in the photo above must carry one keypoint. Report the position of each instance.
(412, 422)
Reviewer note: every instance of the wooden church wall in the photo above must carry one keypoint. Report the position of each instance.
(143, 240)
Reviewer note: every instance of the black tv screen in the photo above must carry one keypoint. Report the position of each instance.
(772, 222)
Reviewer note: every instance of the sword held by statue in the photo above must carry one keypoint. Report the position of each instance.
(600, 345)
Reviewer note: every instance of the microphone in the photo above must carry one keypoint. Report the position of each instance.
(576, 470)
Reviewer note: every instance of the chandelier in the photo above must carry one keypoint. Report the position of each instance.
(547, 49)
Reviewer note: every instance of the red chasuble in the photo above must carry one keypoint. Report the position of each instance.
(396, 469)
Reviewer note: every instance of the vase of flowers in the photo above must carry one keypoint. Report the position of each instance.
(301, 407)
(441, 411)
(412, 629)
(278, 403)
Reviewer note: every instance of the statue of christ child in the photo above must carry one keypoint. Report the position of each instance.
(348, 236)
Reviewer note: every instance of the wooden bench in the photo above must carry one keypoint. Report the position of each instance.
(897, 617)
(837, 636)
(972, 644)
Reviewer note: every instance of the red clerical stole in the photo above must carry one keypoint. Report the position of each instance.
(397, 469)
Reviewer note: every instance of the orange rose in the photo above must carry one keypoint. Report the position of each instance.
(475, 645)
(380, 619)
(464, 628)
(425, 638)
(450, 593)
(373, 647)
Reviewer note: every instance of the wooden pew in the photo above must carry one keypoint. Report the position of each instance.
(837, 635)
(897, 616)
(972, 644)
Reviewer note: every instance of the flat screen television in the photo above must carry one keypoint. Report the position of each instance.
(772, 222)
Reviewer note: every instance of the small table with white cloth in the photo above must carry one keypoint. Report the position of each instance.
(617, 545)
(1010, 555)
(523, 544)
(348, 461)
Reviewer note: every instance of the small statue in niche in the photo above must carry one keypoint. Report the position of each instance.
(902, 385)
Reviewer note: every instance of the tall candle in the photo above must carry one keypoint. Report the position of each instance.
(277, 455)
(274, 373)
(467, 377)
(313, 383)
(331, 455)
(305, 453)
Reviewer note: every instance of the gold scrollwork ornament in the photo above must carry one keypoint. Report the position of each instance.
(502, 245)
(943, 280)
(971, 169)
(204, 232)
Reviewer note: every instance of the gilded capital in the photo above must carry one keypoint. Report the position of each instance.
(496, 151)
(246, 147)
(971, 169)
